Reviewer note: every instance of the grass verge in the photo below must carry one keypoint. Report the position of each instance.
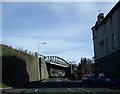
(2, 85)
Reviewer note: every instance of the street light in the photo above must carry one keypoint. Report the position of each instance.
(38, 46)
(71, 69)
(39, 65)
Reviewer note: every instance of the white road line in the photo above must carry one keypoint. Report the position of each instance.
(58, 79)
(82, 89)
(23, 91)
(5, 88)
(88, 91)
(36, 90)
(44, 81)
(67, 79)
(70, 89)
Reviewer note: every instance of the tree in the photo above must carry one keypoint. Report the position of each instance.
(86, 65)
(35, 53)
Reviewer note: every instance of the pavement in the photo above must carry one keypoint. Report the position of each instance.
(62, 85)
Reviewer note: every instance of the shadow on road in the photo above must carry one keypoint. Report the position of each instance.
(64, 85)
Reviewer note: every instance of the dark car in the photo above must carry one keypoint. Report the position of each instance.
(91, 78)
(108, 80)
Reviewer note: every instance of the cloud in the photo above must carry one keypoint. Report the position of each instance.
(65, 49)
(75, 54)
(58, 0)
(65, 27)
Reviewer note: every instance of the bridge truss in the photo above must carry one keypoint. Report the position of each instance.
(57, 60)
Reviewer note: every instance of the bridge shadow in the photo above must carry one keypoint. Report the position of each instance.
(64, 84)
(14, 71)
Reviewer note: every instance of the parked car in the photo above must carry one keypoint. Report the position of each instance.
(90, 78)
(107, 80)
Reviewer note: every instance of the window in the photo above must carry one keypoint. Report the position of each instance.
(101, 43)
(105, 27)
(113, 41)
(111, 20)
(107, 45)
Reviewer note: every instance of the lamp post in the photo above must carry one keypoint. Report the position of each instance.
(71, 69)
(39, 63)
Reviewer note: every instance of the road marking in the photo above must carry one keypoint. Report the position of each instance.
(58, 79)
(44, 81)
(67, 79)
(36, 90)
(5, 88)
(70, 89)
(87, 90)
(23, 91)
(82, 89)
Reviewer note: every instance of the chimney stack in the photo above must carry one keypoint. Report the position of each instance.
(100, 17)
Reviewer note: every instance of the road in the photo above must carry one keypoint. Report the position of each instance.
(64, 85)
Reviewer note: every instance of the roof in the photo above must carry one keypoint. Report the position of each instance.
(108, 15)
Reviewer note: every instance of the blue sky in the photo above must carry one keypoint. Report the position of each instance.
(64, 26)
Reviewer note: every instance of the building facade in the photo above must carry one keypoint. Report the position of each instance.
(106, 41)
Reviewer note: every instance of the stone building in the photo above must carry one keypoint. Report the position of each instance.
(106, 41)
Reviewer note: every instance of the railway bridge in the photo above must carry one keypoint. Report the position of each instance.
(53, 62)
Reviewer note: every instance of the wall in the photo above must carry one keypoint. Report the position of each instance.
(14, 71)
(33, 69)
(44, 71)
(108, 61)
(19, 67)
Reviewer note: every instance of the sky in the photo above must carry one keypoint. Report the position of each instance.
(65, 27)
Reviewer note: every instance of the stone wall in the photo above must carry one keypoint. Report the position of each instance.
(44, 71)
(19, 67)
(33, 69)
(16, 71)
